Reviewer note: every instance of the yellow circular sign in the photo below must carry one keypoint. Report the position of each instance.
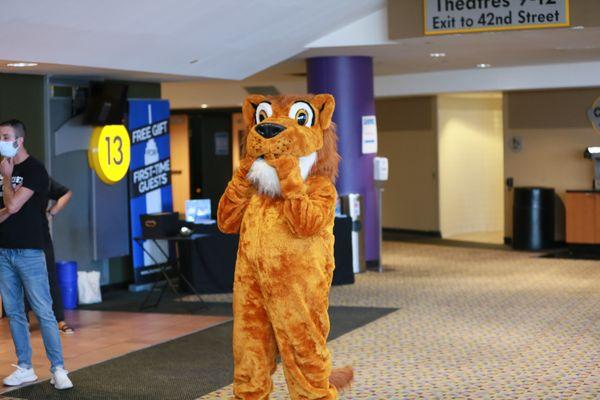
(109, 153)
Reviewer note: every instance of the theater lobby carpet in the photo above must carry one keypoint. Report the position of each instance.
(469, 323)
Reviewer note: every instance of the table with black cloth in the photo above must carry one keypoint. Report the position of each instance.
(208, 262)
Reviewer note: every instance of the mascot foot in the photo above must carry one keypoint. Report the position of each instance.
(341, 378)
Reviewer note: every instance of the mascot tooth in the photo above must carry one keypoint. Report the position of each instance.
(281, 201)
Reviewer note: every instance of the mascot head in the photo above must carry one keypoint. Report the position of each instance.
(298, 126)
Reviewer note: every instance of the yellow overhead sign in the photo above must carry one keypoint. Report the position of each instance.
(443, 17)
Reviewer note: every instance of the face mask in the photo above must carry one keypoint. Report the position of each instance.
(9, 149)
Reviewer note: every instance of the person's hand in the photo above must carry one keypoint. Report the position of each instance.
(6, 167)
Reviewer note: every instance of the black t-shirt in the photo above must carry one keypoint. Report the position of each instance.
(25, 229)
(55, 192)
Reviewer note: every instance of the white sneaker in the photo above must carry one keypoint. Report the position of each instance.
(60, 380)
(20, 376)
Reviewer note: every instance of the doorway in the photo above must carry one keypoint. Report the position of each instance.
(471, 167)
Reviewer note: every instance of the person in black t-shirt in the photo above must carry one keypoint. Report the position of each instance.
(22, 262)
(61, 196)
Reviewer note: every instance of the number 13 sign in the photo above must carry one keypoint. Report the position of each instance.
(109, 153)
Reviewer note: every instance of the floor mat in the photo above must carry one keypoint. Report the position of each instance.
(185, 368)
(123, 300)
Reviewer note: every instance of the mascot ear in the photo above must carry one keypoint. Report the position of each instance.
(325, 104)
(249, 109)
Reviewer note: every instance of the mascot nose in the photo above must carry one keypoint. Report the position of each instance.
(268, 130)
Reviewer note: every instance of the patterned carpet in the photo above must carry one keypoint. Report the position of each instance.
(472, 324)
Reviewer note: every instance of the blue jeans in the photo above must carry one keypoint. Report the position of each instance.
(26, 269)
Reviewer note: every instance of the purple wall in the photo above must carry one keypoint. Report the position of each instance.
(350, 81)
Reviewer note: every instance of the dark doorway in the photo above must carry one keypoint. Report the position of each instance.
(210, 155)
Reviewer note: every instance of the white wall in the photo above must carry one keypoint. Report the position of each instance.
(568, 75)
(410, 195)
(470, 143)
(408, 138)
(220, 93)
(554, 130)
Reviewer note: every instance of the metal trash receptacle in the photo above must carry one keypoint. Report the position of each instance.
(533, 218)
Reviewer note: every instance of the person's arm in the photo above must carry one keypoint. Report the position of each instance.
(60, 204)
(13, 198)
(4, 214)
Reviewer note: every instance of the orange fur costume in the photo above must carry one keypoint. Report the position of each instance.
(282, 202)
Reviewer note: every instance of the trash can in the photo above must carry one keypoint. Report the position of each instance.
(66, 272)
(533, 218)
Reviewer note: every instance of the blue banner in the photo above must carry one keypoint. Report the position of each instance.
(149, 179)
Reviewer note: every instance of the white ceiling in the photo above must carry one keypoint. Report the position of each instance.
(229, 39)
(500, 49)
(368, 36)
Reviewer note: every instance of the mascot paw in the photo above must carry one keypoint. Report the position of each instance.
(245, 165)
(341, 378)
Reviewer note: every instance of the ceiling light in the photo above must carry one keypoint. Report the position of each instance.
(21, 64)
(578, 27)
(483, 65)
(437, 55)
(203, 105)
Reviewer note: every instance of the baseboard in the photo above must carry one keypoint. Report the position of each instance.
(415, 232)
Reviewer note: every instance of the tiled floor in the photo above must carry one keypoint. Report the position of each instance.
(101, 336)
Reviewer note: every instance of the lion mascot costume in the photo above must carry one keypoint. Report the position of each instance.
(281, 200)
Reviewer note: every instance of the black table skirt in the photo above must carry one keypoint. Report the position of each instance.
(209, 262)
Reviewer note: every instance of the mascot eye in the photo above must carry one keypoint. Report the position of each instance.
(262, 116)
(301, 117)
(302, 113)
(263, 111)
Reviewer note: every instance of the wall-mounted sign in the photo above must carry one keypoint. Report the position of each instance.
(109, 153)
(369, 134)
(459, 16)
(515, 144)
(594, 114)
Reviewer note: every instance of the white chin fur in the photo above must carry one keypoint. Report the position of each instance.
(265, 178)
